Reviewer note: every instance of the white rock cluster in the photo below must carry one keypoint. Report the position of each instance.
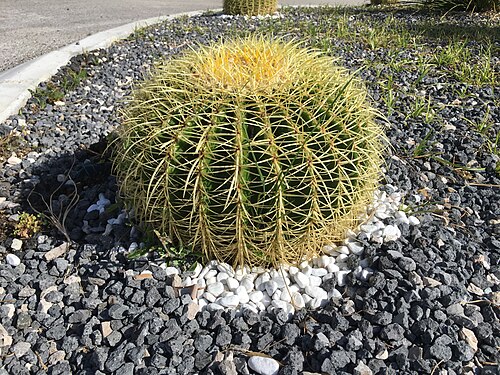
(218, 286)
(100, 205)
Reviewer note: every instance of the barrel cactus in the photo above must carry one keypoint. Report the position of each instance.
(255, 152)
(249, 7)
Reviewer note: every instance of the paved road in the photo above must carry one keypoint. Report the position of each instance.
(30, 28)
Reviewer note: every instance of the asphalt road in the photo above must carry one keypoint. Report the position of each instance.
(30, 28)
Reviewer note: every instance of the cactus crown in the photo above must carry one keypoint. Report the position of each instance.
(254, 151)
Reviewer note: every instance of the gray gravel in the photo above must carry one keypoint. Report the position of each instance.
(432, 301)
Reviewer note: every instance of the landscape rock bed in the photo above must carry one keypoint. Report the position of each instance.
(78, 305)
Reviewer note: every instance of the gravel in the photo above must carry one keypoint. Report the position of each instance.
(421, 295)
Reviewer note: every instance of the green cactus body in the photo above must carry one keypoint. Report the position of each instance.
(250, 7)
(256, 152)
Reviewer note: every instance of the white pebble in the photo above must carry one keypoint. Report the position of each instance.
(210, 273)
(323, 261)
(13, 260)
(242, 293)
(214, 307)
(368, 228)
(171, 271)
(285, 296)
(201, 283)
(260, 306)
(211, 280)
(343, 250)
(301, 280)
(391, 233)
(413, 220)
(216, 288)
(240, 273)
(316, 292)
(187, 282)
(277, 294)
(331, 250)
(401, 217)
(307, 270)
(332, 268)
(381, 212)
(252, 308)
(226, 268)
(342, 257)
(16, 245)
(260, 280)
(319, 272)
(334, 293)
(306, 298)
(365, 274)
(209, 297)
(315, 280)
(270, 287)
(280, 305)
(356, 248)
(263, 365)
(221, 276)
(256, 296)
(298, 301)
(247, 282)
(293, 270)
(14, 160)
(197, 270)
(294, 288)
(304, 264)
(317, 302)
(230, 301)
(202, 302)
(232, 283)
(266, 300)
(281, 281)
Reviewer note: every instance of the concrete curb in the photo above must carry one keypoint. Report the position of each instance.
(15, 83)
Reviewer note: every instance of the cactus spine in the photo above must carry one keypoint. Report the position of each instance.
(256, 152)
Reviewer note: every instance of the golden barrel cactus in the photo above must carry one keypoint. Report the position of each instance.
(255, 152)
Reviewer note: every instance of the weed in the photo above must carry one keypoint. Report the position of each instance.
(423, 147)
(28, 225)
(422, 108)
(72, 80)
(46, 95)
(56, 214)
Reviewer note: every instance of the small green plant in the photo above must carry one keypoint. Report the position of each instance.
(28, 225)
(252, 152)
(47, 95)
(72, 80)
(250, 7)
(423, 147)
(422, 107)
